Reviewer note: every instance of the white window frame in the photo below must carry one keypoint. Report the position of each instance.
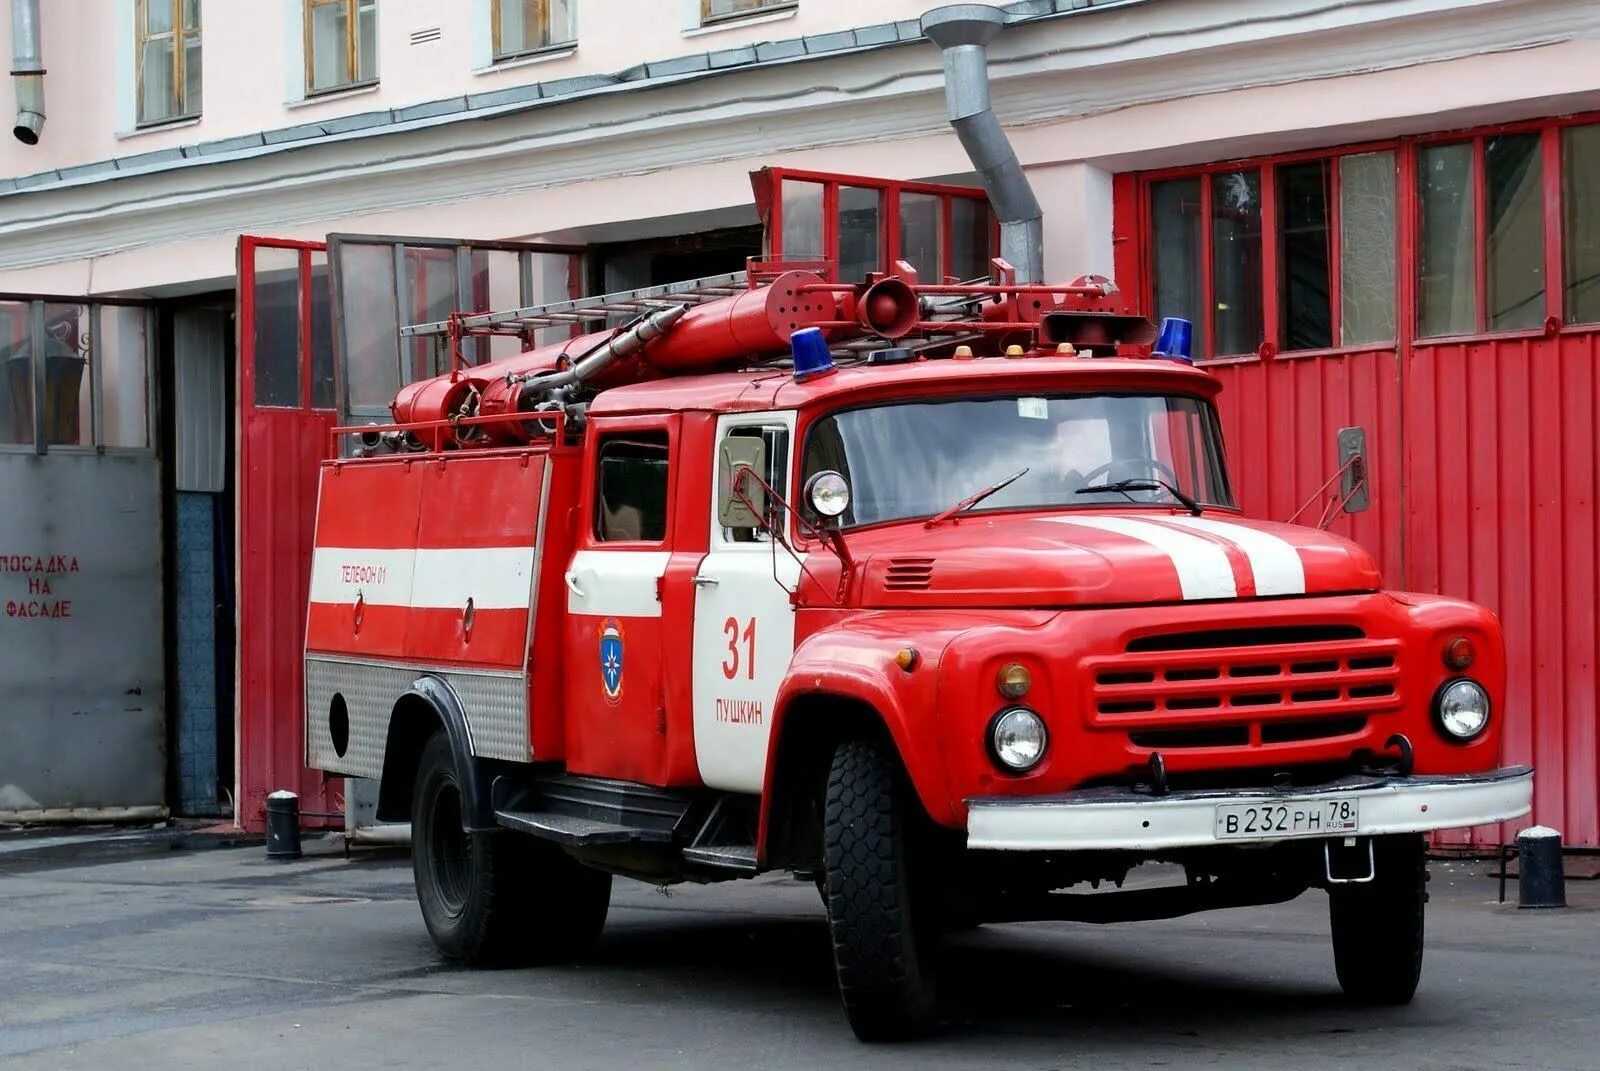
(125, 26)
(695, 22)
(483, 57)
(125, 68)
(295, 90)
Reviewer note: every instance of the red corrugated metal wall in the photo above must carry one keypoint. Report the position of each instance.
(1486, 469)
(1501, 448)
(1280, 418)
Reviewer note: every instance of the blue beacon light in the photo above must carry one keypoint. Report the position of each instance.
(1175, 342)
(811, 357)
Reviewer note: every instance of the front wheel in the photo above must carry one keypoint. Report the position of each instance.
(1377, 925)
(884, 930)
(495, 898)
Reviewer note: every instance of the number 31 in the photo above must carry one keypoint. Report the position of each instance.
(730, 665)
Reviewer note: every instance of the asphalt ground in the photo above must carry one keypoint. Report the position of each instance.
(145, 957)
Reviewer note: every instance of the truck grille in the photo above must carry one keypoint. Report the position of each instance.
(1246, 687)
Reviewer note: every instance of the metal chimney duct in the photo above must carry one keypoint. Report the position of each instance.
(27, 71)
(962, 31)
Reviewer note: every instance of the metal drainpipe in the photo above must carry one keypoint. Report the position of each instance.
(962, 31)
(27, 71)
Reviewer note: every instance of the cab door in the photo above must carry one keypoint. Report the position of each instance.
(744, 623)
(616, 718)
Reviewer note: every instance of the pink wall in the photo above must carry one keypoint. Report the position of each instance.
(244, 54)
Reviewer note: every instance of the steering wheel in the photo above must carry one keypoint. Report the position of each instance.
(1141, 467)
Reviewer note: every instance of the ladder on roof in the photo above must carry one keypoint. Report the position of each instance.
(590, 309)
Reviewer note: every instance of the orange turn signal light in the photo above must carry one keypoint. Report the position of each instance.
(1459, 653)
(907, 658)
(1014, 680)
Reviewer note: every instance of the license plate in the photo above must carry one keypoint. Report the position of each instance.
(1311, 818)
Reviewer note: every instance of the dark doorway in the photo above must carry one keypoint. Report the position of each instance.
(197, 363)
(653, 262)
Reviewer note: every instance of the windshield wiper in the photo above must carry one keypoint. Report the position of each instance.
(967, 503)
(1147, 484)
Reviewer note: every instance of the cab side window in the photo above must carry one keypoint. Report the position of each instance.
(631, 503)
(776, 476)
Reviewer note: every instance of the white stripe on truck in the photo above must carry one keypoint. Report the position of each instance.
(1276, 564)
(1204, 571)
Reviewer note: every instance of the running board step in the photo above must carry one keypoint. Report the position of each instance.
(740, 858)
(575, 832)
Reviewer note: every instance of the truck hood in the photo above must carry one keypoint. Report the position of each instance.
(1099, 558)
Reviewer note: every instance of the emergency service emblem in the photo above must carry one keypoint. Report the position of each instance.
(611, 659)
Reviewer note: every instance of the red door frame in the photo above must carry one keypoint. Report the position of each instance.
(768, 185)
(279, 449)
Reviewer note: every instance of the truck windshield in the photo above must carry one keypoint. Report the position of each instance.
(917, 459)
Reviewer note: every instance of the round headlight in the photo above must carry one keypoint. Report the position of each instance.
(829, 493)
(1463, 708)
(1018, 738)
(1013, 680)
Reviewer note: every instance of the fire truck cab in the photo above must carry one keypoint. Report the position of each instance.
(937, 595)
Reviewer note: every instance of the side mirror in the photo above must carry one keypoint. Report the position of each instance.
(739, 457)
(1356, 482)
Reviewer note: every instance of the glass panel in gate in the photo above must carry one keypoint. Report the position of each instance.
(382, 285)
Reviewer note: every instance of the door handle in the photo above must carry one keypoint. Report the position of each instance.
(706, 581)
(572, 585)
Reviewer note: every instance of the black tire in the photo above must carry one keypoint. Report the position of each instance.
(499, 898)
(1378, 926)
(884, 933)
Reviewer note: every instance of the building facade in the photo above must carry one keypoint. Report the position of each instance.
(1382, 214)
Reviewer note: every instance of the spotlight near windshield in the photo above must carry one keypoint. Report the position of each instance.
(829, 494)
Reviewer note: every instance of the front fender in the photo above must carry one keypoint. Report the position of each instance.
(848, 668)
(849, 665)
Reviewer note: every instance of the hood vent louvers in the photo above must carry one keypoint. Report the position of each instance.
(908, 574)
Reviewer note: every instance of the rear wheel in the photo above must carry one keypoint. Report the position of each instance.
(495, 898)
(1377, 925)
(884, 932)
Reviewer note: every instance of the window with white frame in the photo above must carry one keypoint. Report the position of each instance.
(167, 59)
(713, 11)
(526, 26)
(341, 44)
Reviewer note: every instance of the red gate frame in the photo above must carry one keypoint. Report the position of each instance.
(279, 453)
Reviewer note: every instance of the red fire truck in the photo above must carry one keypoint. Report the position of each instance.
(935, 593)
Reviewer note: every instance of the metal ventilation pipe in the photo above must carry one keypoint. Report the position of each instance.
(962, 31)
(27, 71)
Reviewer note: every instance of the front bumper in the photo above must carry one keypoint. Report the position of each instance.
(1117, 819)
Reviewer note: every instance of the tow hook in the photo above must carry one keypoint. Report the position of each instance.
(1350, 854)
(1158, 775)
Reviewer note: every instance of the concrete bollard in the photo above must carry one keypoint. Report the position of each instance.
(283, 825)
(1540, 881)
